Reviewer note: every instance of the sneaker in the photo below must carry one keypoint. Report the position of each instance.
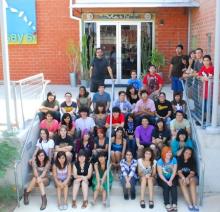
(65, 207)
(190, 208)
(196, 208)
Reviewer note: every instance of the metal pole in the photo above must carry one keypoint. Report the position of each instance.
(214, 129)
(217, 67)
(109, 149)
(5, 61)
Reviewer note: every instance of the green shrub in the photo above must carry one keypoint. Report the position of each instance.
(8, 154)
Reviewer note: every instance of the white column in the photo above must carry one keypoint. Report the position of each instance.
(214, 128)
(5, 61)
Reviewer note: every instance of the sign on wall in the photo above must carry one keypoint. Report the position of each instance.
(21, 21)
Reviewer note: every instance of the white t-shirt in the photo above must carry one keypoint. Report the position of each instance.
(45, 145)
(87, 123)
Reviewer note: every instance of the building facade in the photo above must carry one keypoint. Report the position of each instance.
(127, 31)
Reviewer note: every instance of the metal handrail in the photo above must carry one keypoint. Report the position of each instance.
(198, 147)
(109, 148)
(21, 157)
(24, 146)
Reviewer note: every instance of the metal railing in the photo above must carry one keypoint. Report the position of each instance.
(34, 86)
(199, 94)
(109, 149)
(31, 89)
(197, 148)
(26, 95)
(21, 167)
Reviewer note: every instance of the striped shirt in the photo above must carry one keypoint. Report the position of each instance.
(128, 170)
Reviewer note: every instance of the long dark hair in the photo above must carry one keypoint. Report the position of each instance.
(102, 154)
(86, 92)
(45, 157)
(47, 133)
(191, 159)
(152, 155)
(182, 132)
(164, 125)
(50, 93)
(65, 115)
(96, 111)
(128, 94)
(57, 162)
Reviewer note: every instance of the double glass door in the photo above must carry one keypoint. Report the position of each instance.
(121, 43)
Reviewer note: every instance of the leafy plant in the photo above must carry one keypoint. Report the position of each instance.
(156, 58)
(8, 154)
(87, 55)
(84, 58)
(73, 54)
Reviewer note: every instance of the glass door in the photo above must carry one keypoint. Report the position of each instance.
(107, 41)
(121, 45)
(130, 50)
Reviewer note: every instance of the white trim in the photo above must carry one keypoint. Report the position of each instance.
(133, 4)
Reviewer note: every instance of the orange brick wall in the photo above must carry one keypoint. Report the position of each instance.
(203, 22)
(55, 28)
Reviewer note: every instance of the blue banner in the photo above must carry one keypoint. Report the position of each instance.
(21, 21)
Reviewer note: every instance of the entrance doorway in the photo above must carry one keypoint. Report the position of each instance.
(126, 46)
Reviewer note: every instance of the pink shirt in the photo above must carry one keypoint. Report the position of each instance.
(146, 105)
(54, 126)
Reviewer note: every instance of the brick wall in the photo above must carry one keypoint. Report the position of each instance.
(55, 28)
(203, 23)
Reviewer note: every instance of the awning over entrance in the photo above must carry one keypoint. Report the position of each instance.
(132, 3)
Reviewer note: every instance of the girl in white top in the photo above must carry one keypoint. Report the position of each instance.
(45, 143)
(147, 173)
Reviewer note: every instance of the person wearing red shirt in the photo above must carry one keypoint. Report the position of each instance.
(152, 82)
(118, 119)
(206, 72)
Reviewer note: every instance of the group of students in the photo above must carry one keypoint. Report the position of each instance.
(150, 142)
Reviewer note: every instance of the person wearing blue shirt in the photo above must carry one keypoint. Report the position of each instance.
(167, 170)
(134, 81)
(180, 142)
(101, 97)
(122, 103)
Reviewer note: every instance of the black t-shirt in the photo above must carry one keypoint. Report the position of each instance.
(163, 108)
(177, 66)
(161, 134)
(99, 68)
(69, 108)
(62, 142)
(186, 167)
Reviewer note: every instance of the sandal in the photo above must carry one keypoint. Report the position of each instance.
(74, 204)
(196, 208)
(142, 204)
(85, 204)
(151, 204)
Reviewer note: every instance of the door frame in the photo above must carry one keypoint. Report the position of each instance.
(118, 25)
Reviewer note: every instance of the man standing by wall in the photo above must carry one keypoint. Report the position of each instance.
(98, 70)
(175, 70)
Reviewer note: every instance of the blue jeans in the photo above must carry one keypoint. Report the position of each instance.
(132, 189)
(132, 146)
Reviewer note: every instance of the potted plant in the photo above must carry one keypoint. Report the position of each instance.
(87, 55)
(73, 54)
(156, 58)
